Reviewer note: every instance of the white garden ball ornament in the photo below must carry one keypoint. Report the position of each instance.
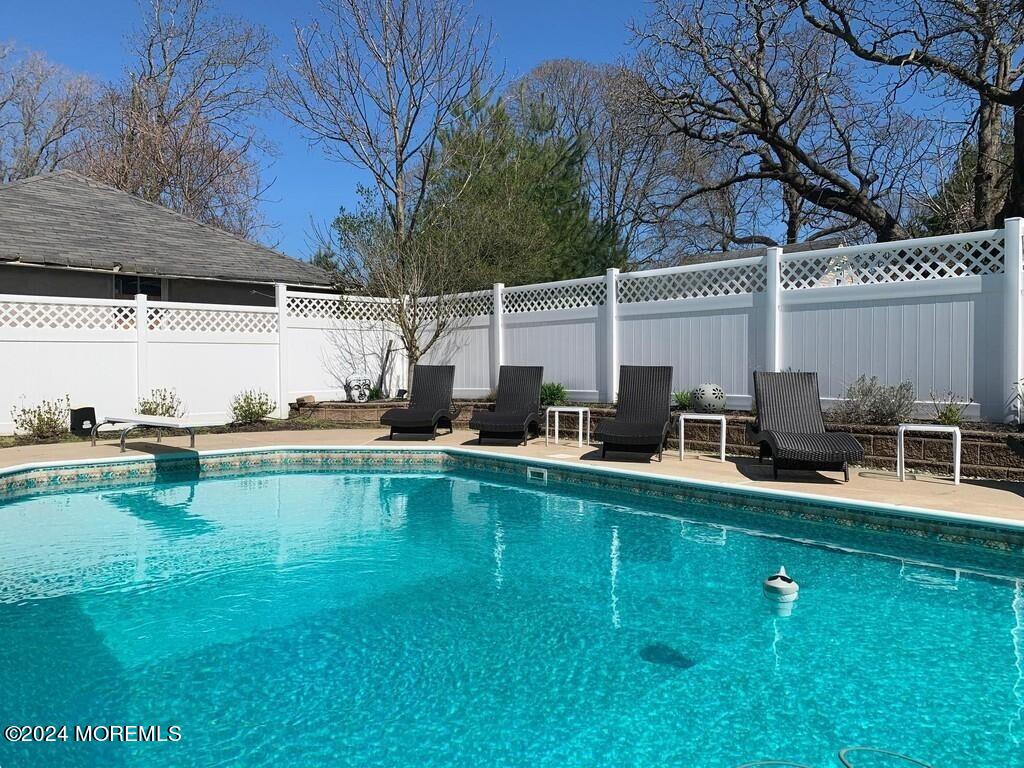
(709, 398)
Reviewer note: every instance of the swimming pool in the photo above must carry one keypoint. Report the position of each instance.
(462, 617)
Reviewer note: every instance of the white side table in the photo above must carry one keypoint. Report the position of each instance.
(901, 453)
(703, 417)
(580, 410)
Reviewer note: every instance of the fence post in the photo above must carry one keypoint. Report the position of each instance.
(281, 300)
(611, 334)
(1013, 265)
(141, 348)
(497, 333)
(772, 309)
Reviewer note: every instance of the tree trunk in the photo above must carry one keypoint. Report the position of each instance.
(986, 167)
(793, 215)
(412, 358)
(1014, 205)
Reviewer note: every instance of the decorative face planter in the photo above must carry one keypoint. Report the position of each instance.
(357, 387)
(709, 398)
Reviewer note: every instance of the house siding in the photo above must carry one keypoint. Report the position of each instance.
(38, 281)
(219, 292)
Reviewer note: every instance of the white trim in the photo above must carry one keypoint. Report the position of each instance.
(553, 284)
(546, 316)
(747, 261)
(910, 289)
(17, 298)
(894, 245)
(685, 305)
(336, 296)
(204, 307)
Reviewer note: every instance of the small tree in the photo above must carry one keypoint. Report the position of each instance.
(419, 280)
(374, 86)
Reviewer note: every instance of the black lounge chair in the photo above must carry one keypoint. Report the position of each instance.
(790, 429)
(430, 404)
(516, 409)
(642, 415)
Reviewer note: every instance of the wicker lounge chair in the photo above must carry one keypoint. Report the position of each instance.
(642, 415)
(790, 429)
(430, 404)
(516, 409)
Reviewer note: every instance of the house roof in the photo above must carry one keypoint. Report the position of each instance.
(62, 219)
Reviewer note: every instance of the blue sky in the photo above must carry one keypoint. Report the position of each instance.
(88, 37)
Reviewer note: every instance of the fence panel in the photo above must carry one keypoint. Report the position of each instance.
(942, 312)
(928, 311)
(55, 347)
(557, 325)
(703, 320)
(330, 338)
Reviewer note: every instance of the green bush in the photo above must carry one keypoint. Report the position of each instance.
(162, 402)
(49, 419)
(250, 406)
(683, 400)
(949, 408)
(376, 393)
(553, 393)
(868, 401)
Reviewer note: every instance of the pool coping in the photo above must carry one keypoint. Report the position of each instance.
(979, 523)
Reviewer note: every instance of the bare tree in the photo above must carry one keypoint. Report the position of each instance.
(970, 47)
(379, 82)
(43, 111)
(375, 86)
(178, 129)
(779, 102)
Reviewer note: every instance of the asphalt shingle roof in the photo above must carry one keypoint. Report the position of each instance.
(64, 219)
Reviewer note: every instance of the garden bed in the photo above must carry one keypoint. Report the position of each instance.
(993, 451)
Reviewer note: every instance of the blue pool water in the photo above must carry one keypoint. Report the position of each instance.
(465, 619)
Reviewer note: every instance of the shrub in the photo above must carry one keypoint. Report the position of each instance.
(553, 393)
(683, 400)
(949, 408)
(49, 419)
(870, 402)
(376, 393)
(250, 406)
(162, 402)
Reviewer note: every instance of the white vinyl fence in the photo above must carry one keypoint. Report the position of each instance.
(942, 312)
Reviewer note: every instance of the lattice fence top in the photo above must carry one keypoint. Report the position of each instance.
(337, 308)
(894, 263)
(211, 321)
(462, 306)
(75, 317)
(543, 298)
(635, 287)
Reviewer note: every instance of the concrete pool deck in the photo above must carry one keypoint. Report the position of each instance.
(987, 498)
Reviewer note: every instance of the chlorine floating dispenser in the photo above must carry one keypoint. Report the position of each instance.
(780, 588)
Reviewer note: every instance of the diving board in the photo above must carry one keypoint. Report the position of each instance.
(135, 420)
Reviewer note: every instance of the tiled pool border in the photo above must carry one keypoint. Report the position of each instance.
(992, 533)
